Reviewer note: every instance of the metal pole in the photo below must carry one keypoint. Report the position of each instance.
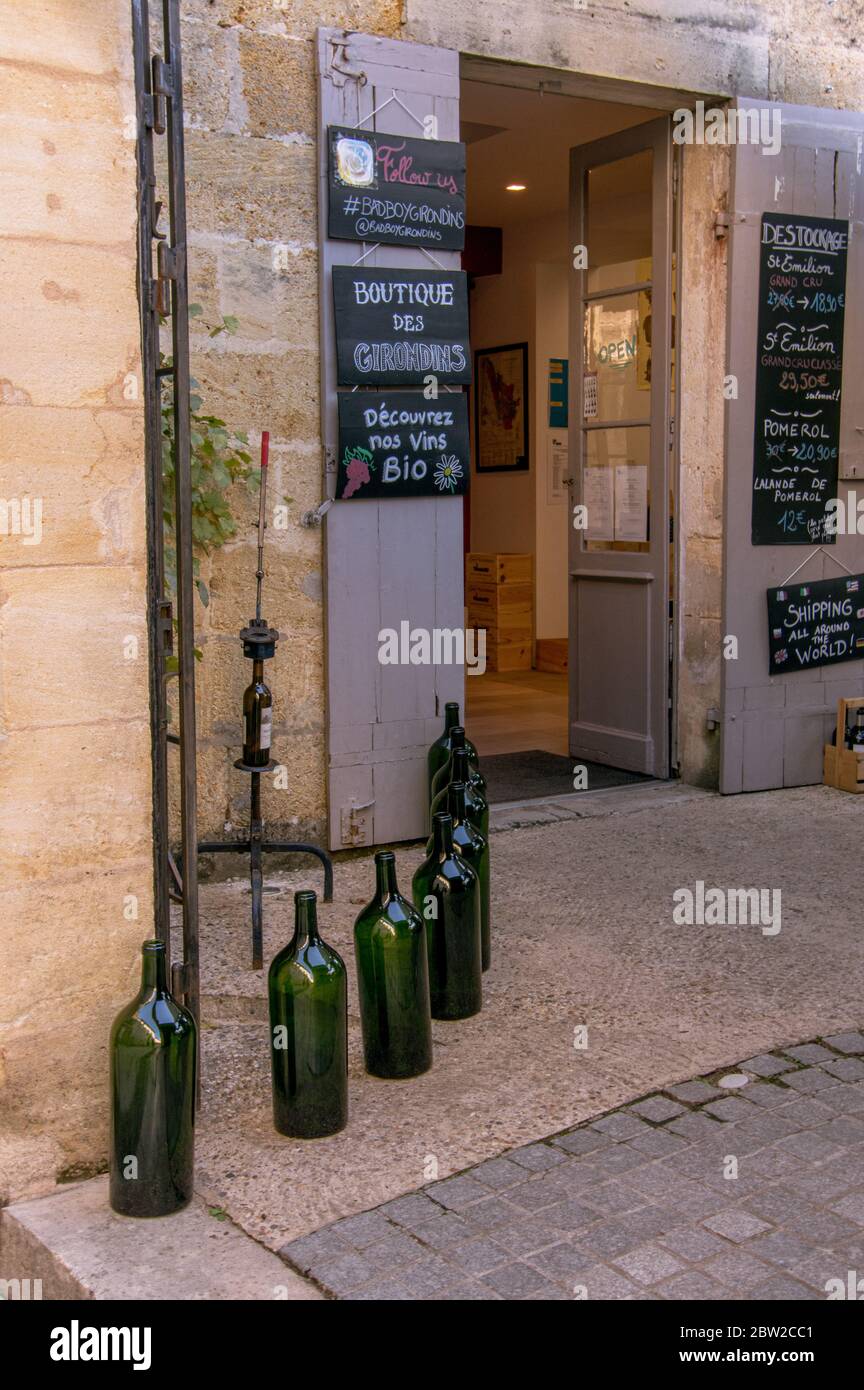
(262, 522)
(183, 504)
(156, 631)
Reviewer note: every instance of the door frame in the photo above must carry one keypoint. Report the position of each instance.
(647, 752)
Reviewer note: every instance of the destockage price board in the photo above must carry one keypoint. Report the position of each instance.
(799, 368)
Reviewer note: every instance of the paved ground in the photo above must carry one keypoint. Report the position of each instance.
(698, 1192)
(584, 939)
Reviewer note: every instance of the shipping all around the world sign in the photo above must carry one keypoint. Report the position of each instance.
(816, 624)
(401, 327)
(402, 445)
(395, 189)
(799, 365)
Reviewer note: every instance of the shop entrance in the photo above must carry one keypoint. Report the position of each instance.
(568, 522)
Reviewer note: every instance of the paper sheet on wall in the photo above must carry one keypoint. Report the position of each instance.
(558, 459)
(598, 498)
(631, 502)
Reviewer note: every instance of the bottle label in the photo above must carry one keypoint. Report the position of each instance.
(266, 727)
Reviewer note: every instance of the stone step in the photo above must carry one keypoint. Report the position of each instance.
(79, 1249)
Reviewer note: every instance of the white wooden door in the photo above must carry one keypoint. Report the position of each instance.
(774, 727)
(620, 348)
(399, 559)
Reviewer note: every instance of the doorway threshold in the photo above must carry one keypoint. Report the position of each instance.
(608, 801)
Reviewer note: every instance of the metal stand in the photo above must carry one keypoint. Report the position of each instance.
(255, 847)
(259, 645)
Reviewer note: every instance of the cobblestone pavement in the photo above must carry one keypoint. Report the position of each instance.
(701, 1191)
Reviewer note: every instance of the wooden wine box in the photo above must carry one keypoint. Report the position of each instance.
(842, 768)
(499, 596)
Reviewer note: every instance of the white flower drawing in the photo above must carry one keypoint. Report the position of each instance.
(448, 471)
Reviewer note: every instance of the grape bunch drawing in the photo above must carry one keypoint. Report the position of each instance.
(359, 467)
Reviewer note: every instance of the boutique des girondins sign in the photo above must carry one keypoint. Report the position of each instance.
(405, 329)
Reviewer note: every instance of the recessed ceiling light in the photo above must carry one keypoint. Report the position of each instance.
(516, 187)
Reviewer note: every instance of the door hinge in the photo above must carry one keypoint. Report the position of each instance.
(721, 224)
(355, 827)
(340, 69)
(168, 266)
(162, 83)
(165, 626)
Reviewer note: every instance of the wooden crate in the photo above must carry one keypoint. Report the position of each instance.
(551, 655)
(506, 568)
(499, 596)
(842, 767)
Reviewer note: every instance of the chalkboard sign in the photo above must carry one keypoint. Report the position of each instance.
(802, 286)
(399, 327)
(402, 445)
(393, 189)
(815, 624)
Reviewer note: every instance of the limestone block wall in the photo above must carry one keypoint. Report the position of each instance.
(75, 882)
(250, 105)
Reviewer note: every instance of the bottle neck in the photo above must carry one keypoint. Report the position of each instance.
(257, 672)
(459, 768)
(305, 917)
(442, 838)
(456, 802)
(451, 716)
(385, 878)
(154, 967)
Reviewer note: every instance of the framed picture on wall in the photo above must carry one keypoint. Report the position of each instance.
(501, 409)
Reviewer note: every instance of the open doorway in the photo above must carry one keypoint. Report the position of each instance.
(550, 364)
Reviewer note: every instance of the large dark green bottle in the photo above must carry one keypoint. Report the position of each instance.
(458, 739)
(153, 1079)
(475, 848)
(447, 896)
(475, 802)
(393, 979)
(308, 1031)
(440, 749)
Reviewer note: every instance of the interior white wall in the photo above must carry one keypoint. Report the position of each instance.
(527, 302)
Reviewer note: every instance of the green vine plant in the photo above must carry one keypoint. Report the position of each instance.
(219, 458)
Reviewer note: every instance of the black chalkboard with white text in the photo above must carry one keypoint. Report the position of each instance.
(396, 189)
(799, 366)
(402, 445)
(401, 327)
(817, 624)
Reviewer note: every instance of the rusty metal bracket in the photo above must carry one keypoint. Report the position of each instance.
(343, 70)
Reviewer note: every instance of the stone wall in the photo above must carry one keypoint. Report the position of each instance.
(75, 836)
(807, 51)
(250, 104)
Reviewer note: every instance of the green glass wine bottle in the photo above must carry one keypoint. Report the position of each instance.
(393, 979)
(440, 749)
(458, 739)
(153, 1052)
(308, 993)
(447, 896)
(257, 719)
(475, 848)
(477, 806)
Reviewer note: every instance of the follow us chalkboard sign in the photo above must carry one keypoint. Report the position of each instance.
(400, 327)
(816, 624)
(395, 189)
(799, 370)
(402, 445)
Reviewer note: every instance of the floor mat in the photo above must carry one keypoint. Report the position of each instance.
(533, 773)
